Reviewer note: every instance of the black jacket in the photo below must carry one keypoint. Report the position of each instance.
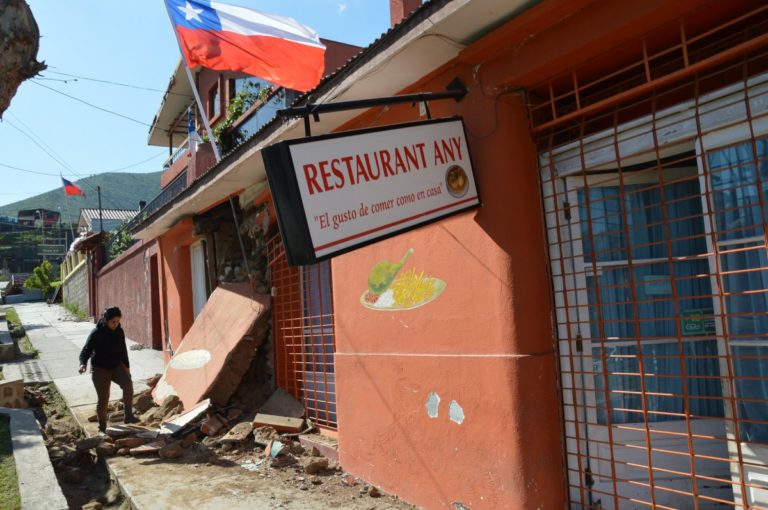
(105, 348)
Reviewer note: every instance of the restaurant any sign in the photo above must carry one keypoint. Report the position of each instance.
(334, 193)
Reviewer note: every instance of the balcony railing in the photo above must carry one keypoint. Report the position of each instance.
(179, 152)
(168, 193)
(120, 239)
(253, 121)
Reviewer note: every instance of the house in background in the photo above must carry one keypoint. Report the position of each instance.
(36, 217)
(106, 220)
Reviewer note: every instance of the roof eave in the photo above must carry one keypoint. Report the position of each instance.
(406, 51)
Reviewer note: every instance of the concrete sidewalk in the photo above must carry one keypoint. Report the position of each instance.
(150, 482)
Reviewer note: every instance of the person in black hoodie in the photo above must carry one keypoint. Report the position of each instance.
(106, 349)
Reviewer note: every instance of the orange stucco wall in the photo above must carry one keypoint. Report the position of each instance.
(176, 281)
(485, 343)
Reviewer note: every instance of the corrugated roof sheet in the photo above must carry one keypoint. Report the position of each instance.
(108, 214)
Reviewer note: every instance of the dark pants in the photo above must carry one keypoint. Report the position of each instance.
(102, 377)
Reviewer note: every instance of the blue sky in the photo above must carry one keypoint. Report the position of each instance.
(130, 43)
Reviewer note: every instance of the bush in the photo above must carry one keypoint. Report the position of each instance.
(42, 278)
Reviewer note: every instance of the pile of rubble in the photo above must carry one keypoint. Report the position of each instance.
(84, 480)
(222, 436)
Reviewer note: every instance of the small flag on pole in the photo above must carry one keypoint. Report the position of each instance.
(226, 37)
(71, 189)
(191, 131)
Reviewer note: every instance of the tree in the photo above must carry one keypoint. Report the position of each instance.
(19, 42)
(42, 278)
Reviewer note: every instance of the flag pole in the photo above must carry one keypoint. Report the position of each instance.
(200, 108)
(101, 216)
(66, 206)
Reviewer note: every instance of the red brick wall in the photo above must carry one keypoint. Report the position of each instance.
(126, 282)
(337, 54)
(200, 163)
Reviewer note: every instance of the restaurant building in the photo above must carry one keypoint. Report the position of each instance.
(590, 331)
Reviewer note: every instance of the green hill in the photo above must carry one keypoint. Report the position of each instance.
(118, 191)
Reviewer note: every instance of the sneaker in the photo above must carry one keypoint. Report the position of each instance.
(131, 419)
(102, 432)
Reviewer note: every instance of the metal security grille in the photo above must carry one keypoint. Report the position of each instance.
(302, 322)
(657, 222)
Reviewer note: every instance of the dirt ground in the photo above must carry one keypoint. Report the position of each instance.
(83, 477)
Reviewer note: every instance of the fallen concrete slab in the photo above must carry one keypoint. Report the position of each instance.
(217, 350)
(279, 423)
(185, 418)
(281, 403)
(37, 481)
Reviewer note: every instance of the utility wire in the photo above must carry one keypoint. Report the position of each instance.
(59, 160)
(27, 171)
(37, 137)
(56, 174)
(138, 163)
(17, 128)
(109, 82)
(92, 105)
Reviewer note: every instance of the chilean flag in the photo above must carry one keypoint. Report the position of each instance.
(71, 189)
(230, 38)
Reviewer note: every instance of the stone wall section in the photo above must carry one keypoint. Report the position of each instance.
(75, 288)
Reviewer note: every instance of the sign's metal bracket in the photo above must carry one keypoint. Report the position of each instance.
(455, 90)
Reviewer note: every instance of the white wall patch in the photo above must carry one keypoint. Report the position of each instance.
(433, 404)
(455, 412)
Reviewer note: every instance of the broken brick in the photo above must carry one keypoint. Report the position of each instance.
(263, 435)
(189, 440)
(233, 414)
(142, 404)
(284, 461)
(314, 465)
(152, 381)
(279, 423)
(130, 442)
(87, 444)
(150, 415)
(116, 417)
(106, 448)
(238, 433)
(148, 448)
(212, 426)
(171, 451)
(168, 405)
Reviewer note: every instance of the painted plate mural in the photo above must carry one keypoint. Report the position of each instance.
(391, 290)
